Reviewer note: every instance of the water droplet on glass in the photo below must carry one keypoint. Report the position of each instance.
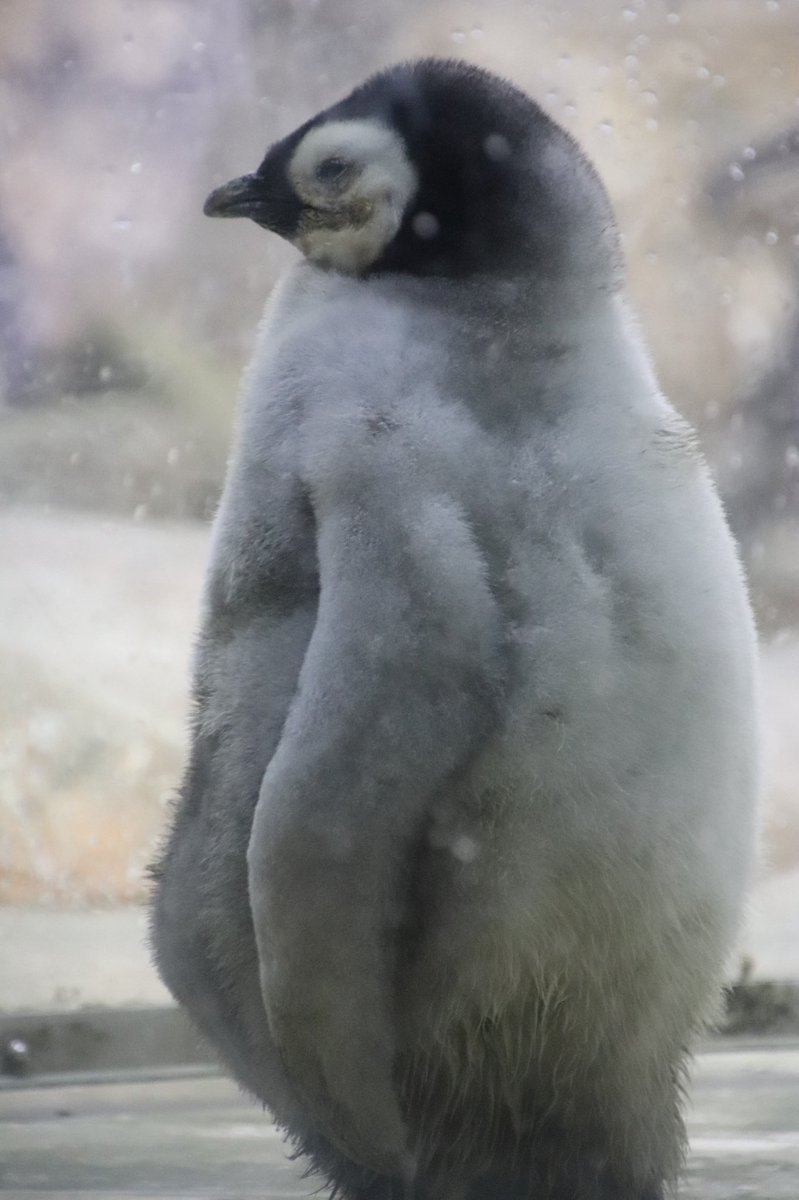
(496, 147)
(173, 457)
(719, 81)
(121, 224)
(45, 730)
(629, 14)
(135, 168)
(16, 1058)
(605, 127)
(703, 73)
(652, 124)
(792, 457)
(772, 5)
(476, 32)
(749, 153)
(105, 373)
(458, 35)
(464, 848)
(649, 98)
(425, 225)
(772, 237)
(736, 172)
(673, 18)
(198, 47)
(140, 512)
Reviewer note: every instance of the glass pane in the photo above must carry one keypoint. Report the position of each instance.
(126, 319)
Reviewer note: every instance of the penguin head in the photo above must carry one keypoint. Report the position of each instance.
(434, 167)
(339, 191)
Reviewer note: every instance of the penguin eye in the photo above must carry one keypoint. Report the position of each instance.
(330, 170)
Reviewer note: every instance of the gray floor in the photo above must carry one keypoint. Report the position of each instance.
(193, 1136)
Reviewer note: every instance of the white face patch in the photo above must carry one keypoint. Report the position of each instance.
(356, 202)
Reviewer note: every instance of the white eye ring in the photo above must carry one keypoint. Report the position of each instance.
(329, 170)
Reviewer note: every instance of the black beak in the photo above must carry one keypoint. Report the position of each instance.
(237, 198)
(274, 207)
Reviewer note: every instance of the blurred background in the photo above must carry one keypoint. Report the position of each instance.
(126, 319)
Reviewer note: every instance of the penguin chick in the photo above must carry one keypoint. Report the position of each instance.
(468, 817)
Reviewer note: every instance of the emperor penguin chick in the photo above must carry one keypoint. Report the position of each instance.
(469, 811)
